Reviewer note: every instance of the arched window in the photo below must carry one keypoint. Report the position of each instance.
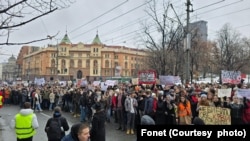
(87, 63)
(126, 65)
(53, 63)
(79, 63)
(95, 63)
(72, 63)
(63, 63)
(107, 64)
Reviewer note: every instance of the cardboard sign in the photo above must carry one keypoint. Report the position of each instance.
(224, 92)
(215, 115)
(135, 81)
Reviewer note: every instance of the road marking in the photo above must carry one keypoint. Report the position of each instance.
(45, 115)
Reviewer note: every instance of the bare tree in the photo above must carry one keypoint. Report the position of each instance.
(16, 13)
(231, 51)
(162, 37)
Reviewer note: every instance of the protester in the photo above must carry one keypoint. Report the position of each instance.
(198, 121)
(1, 100)
(147, 120)
(25, 123)
(97, 132)
(78, 132)
(56, 126)
(130, 107)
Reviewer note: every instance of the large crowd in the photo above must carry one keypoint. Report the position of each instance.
(125, 104)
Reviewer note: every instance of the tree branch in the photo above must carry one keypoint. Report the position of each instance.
(38, 40)
(32, 19)
(12, 6)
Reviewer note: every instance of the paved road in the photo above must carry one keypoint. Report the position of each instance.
(7, 134)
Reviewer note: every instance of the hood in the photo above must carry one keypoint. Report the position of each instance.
(147, 120)
(74, 131)
(25, 112)
(56, 114)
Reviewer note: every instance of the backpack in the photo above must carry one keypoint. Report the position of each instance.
(54, 131)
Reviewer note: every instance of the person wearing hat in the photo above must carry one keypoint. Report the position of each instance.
(97, 132)
(202, 102)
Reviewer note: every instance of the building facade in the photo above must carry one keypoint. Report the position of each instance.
(9, 72)
(67, 61)
(199, 29)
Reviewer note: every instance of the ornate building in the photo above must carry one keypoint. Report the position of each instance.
(9, 73)
(67, 61)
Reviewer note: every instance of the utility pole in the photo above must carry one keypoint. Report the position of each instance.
(57, 54)
(188, 41)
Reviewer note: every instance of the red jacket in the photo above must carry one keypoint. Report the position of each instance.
(246, 113)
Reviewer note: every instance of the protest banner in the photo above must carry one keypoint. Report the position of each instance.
(147, 77)
(96, 83)
(243, 93)
(232, 77)
(111, 82)
(224, 92)
(169, 80)
(215, 115)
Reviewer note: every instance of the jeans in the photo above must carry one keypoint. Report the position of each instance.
(38, 107)
(108, 114)
(130, 121)
(51, 106)
(83, 113)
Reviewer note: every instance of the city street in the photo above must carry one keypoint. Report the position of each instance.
(7, 134)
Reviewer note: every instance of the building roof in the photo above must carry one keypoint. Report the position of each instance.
(12, 58)
(96, 40)
(65, 40)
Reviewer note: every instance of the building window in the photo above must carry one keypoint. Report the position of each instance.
(63, 63)
(126, 57)
(116, 56)
(132, 66)
(95, 50)
(87, 63)
(72, 64)
(126, 65)
(132, 58)
(116, 64)
(79, 64)
(107, 64)
(95, 71)
(95, 63)
(53, 63)
(79, 54)
(106, 55)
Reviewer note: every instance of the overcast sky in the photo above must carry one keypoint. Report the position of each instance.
(121, 25)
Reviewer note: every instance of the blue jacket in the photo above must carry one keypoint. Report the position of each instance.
(68, 138)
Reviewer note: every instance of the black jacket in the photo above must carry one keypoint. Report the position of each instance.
(64, 124)
(97, 132)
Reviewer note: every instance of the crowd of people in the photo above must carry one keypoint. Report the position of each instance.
(125, 104)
